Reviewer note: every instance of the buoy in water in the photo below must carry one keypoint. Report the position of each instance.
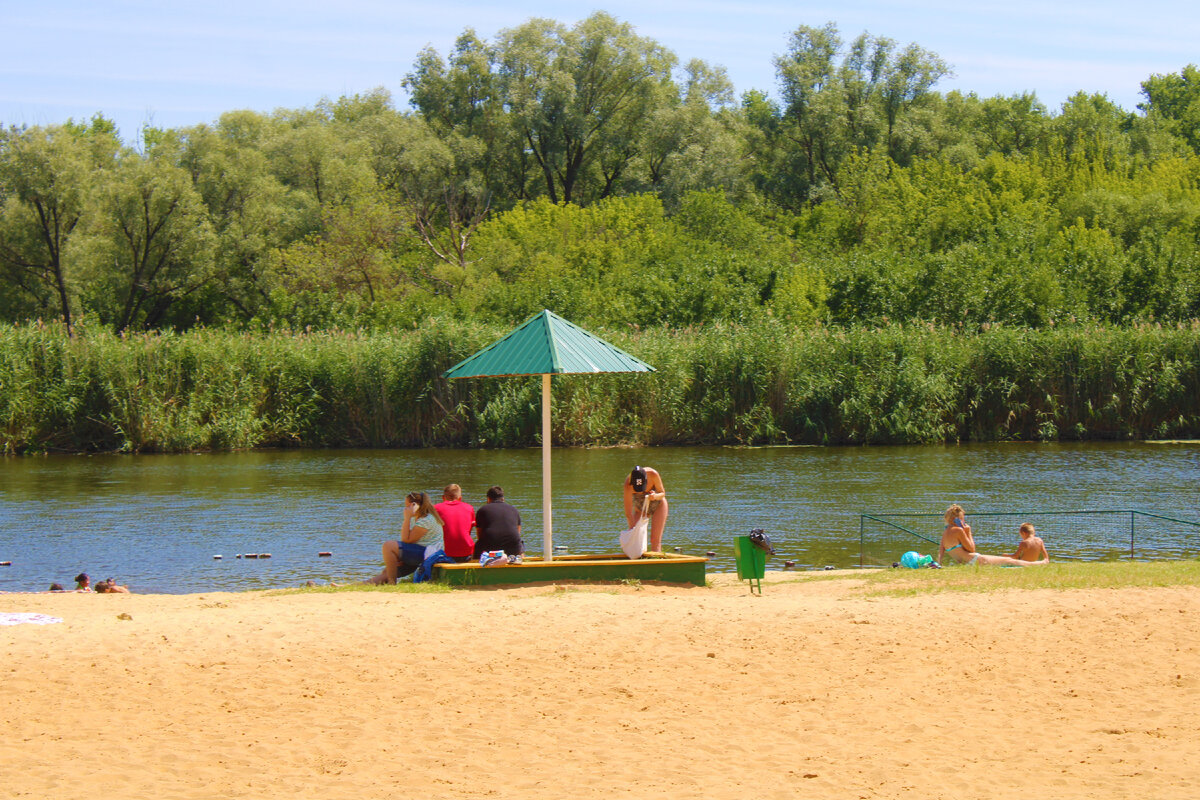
(711, 553)
(678, 549)
(251, 555)
(217, 558)
(5, 563)
(789, 564)
(268, 555)
(324, 554)
(830, 566)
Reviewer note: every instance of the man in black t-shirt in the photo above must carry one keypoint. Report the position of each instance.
(498, 526)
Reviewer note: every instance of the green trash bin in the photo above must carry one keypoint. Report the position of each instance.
(751, 562)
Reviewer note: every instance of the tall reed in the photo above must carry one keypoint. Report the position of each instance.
(759, 383)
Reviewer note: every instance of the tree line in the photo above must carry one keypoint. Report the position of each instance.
(583, 168)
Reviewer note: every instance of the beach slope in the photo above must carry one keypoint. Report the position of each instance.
(818, 688)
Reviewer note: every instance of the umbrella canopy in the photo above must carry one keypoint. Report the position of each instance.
(547, 345)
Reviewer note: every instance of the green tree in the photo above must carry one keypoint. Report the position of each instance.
(693, 140)
(308, 151)
(353, 255)
(47, 176)
(1012, 125)
(152, 244)
(439, 181)
(463, 98)
(577, 98)
(252, 213)
(1175, 98)
(1091, 128)
(837, 102)
(907, 79)
(624, 261)
(1091, 265)
(813, 103)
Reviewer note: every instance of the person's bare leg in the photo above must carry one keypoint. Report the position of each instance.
(391, 560)
(1006, 561)
(658, 522)
(391, 564)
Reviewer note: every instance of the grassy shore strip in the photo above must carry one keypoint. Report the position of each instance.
(1059, 575)
(1056, 575)
(754, 384)
(883, 583)
(402, 587)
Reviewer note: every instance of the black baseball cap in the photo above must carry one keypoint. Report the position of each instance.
(637, 479)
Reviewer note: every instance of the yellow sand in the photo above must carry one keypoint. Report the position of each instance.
(813, 690)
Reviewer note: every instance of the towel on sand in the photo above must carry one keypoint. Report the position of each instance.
(26, 618)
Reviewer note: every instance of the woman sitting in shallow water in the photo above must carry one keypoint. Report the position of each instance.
(959, 544)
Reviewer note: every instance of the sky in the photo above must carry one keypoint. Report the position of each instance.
(169, 64)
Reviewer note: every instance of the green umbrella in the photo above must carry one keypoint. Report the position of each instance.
(547, 345)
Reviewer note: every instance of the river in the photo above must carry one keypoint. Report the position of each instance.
(156, 522)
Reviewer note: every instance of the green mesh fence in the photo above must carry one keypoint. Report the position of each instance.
(1098, 535)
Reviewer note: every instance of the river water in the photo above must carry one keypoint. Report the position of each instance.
(156, 522)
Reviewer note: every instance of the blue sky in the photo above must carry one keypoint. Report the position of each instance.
(153, 62)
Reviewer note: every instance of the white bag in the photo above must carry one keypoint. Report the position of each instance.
(633, 541)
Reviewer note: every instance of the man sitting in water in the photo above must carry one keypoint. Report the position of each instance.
(959, 543)
(1031, 547)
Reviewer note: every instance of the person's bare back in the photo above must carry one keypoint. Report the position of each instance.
(1031, 547)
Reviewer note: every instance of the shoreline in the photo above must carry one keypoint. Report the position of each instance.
(815, 687)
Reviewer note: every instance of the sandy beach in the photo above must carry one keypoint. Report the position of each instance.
(815, 689)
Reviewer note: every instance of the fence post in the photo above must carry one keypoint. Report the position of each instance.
(862, 525)
(1132, 517)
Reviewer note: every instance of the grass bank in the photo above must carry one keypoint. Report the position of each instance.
(755, 384)
(1055, 575)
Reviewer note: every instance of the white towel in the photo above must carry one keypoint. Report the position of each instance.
(25, 617)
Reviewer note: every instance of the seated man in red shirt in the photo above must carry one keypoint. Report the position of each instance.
(457, 520)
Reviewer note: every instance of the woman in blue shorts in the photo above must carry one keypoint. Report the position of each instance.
(420, 537)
